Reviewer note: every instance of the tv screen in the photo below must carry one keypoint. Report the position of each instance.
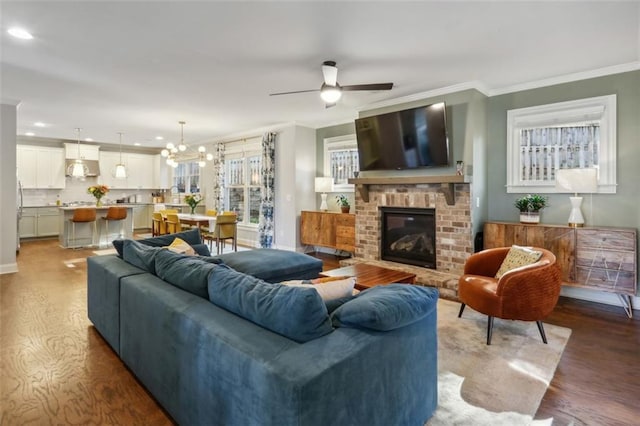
(406, 139)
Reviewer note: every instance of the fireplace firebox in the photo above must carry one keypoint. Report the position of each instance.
(408, 236)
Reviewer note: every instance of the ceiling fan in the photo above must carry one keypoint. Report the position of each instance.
(331, 91)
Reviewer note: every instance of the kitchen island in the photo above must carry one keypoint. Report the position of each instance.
(84, 231)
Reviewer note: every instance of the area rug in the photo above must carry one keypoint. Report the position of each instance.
(500, 384)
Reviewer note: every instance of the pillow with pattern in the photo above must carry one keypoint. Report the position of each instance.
(518, 256)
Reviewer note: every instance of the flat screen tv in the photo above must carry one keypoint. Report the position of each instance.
(406, 139)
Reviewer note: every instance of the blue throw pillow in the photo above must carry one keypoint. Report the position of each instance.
(386, 307)
(298, 313)
(190, 273)
(140, 255)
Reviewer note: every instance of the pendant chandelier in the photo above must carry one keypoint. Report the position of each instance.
(120, 171)
(181, 153)
(78, 169)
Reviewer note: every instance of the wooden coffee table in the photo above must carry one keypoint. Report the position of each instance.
(371, 275)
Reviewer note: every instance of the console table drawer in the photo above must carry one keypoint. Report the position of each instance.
(606, 239)
(608, 280)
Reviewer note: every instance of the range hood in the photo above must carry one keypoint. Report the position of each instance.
(92, 165)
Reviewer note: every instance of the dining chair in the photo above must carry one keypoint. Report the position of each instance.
(173, 223)
(158, 225)
(226, 228)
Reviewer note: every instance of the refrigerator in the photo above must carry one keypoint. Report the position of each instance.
(19, 199)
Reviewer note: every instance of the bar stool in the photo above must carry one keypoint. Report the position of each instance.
(82, 215)
(114, 214)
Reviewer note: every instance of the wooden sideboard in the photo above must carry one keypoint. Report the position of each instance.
(328, 229)
(596, 258)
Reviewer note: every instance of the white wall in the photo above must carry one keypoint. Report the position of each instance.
(8, 182)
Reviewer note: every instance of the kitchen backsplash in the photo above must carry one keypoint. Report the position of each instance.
(76, 190)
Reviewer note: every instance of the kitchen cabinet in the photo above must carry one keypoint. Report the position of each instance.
(328, 229)
(40, 167)
(142, 216)
(87, 152)
(47, 222)
(141, 170)
(28, 222)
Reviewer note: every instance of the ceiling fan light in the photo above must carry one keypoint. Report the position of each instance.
(330, 94)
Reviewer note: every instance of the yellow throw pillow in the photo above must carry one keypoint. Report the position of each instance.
(517, 257)
(181, 246)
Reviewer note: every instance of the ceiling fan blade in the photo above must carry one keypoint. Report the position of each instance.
(330, 105)
(295, 91)
(330, 73)
(377, 86)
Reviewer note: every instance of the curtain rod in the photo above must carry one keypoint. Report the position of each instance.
(245, 138)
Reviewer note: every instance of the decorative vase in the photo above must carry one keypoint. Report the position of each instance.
(193, 209)
(530, 217)
(98, 201)
(345, 209)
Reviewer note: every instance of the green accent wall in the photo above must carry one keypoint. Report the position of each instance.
(621, 209)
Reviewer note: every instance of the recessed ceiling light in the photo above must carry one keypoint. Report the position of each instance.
(20, 33)
(30, 134)
(88, 139)
(159, 138)
(39, 124)
(137, 144)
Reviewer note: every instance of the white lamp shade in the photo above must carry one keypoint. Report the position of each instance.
(577, 180)
(324, 184)
(78, 169)
(120, 172)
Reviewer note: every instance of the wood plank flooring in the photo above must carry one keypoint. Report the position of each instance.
(56, 369)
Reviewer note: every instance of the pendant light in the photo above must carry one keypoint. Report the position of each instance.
(120, 172)
(182, 147)
(78, 169)
(182, 152)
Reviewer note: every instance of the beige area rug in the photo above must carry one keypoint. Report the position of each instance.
(500, 384)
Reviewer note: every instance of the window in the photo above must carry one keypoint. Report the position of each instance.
(186, 177)
(574, 134)
(243, 163)
(341, 161)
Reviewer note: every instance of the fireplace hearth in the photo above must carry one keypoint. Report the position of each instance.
(408, 235)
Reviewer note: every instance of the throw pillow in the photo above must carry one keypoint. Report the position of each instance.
(181, 246)
(328, 290)
(516, 257)
(192, 237)
(386, 307)
(140, 255)
(297, 313)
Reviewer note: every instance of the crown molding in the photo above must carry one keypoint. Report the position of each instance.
(567, 78)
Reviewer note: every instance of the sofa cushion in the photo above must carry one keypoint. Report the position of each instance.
(140, 255)
(273, 265)
(386, 307)
(517, 257)
(294, 312)
(191, 237)
(189, 273)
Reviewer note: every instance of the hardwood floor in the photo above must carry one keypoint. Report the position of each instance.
(56, 369)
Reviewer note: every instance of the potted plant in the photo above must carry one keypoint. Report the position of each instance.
(343, 202)
(193, 200)
(530, 206)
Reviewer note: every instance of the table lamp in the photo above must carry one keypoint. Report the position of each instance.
(324, 185)
(576, 180)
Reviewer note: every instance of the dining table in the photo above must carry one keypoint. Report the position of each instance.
(198, 220)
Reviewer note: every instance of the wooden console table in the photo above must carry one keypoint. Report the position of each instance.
(328, 229)
(595, 258)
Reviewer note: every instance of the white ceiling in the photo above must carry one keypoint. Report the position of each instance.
(140, 67)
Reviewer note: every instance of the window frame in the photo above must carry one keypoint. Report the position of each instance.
(339, 143)
(601, 109)
(242, 150)
(188, 165)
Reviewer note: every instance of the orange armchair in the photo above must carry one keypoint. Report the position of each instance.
(527, 293)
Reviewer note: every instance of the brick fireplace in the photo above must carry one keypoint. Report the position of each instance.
(453, 239)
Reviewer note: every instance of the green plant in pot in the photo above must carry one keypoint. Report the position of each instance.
(530, 206)
(343, 202)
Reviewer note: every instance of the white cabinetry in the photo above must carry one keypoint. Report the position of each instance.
(40, 167)
(28, 222)
(141, 217)
(141, 170)
(87, 152)
(48, 222)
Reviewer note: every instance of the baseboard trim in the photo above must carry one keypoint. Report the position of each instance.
(8, 268)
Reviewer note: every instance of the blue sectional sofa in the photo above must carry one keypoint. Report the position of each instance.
(216, 346)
